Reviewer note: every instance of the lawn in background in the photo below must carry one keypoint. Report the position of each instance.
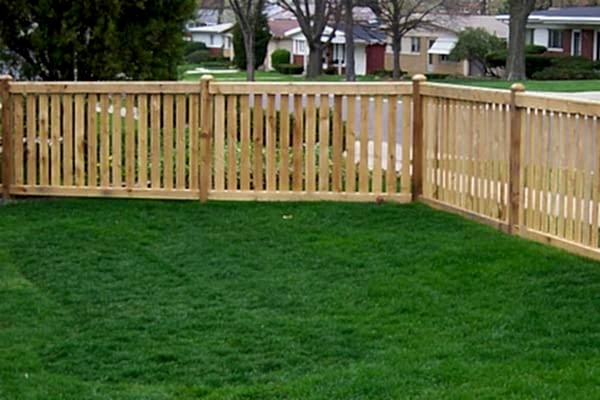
(547, 86)
(107, 299)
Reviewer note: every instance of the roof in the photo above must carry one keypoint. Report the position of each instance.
(570, 12)
(279, 27)
(211, 28)
(459, 23)
(362, 33)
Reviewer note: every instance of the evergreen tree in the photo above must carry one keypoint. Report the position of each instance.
(263, 35)
(94, 39)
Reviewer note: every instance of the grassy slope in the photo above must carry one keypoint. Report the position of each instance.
(105, 299)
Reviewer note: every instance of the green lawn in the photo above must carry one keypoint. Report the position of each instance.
(272, 76)
(107, 299)
(550, 86)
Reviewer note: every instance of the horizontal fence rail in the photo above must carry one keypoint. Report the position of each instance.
(526, 163)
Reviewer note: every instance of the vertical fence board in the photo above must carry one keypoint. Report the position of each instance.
(43, 124)
(363, 174)
(406, 144)
(390, 173)
(92, 139)
(18, 132)
(168, 141)
(180, 142)
(80, 140)
(194, 133)
(117, 174)
(310, 127)
(219, 170)
(284, 144)
(271, 129)
(104, 142)
(129, 141)
(245, 144)
(155, 167)
(297, 138)
(32, 161)
(377, 141)
(350, 181)
(55, 132)
(142, 141)
(232, 142)
(324, 143)
(258, 135)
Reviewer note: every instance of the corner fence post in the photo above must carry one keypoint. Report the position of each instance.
(7, 152)
(417, 138)
(514, 156)
(204, 173)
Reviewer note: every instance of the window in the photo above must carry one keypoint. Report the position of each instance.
(555, 39)
(445, 58)
(529, 36)
(576, 44)
(415, 45)
(339, 54)
(227, 44)
(212, 40)
(299, 47)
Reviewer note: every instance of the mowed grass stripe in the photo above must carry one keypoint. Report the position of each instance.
(110, 299)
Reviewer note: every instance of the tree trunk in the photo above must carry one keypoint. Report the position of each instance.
(396, 43)
(249, 47)
(515, 64)
(315, 62)
(349, 34)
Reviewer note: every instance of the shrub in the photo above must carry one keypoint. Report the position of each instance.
(191, 47)
(535, 63)
(573, 62)
(386, 73)
(220, 63)
(436, 75)
(535, 49)
(198, 57)
(559, 73)
(290, 69)
(330, 71)
(280, 56)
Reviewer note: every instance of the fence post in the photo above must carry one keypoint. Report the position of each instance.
(514, 156)
(417, 139)
(205, 137)
(7, 152)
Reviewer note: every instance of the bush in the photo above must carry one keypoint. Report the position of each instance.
(573, 62)
(280, 56)
(558, 73)
(535, 63)
(386, 73)
(435, 75)
(199, 57)
(535, 49)
(330, 71)
(191, 47)
(220, 63)
(290, 69)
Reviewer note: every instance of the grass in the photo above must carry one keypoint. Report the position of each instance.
(533, 85)
(272, 76)
(103, 299)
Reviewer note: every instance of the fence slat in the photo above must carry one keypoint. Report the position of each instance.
(43, 123)
(194, 133)
(324, 143)
(309, 132)
(363, 174)
(596, 184)
(284, 143)
(350, 180)
(219, 155)
(377, 142)
(245, 143)
(297, 161)
(104, 142)
(129, 141)
(80, 140)
(32, 161)
(168, 141)
(155, 167)
(390, 173)
(258, 138)
(142, 137)
(406, 143)
(232, 142)
(180, 142)
(18, 132)
(271, 129)
(117, 174)
(92, 139)
(336, 173)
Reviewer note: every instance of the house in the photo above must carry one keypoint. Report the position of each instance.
(369, 48)
(279, 40)
(570, 31)
(217, 38)
(427, 48)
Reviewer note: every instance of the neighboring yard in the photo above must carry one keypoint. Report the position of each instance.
(549, 86)
(106, 299)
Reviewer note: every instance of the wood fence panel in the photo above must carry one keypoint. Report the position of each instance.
(32, 138)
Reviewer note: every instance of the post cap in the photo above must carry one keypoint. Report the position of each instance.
(6, 78)
(419, 78)
(517, 87)
(207, 78)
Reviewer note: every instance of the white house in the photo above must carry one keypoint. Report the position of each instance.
(216, 38)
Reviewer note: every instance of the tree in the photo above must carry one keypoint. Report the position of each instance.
(94, 39)
(474, 44)
(261, 41)
(400, 17)
(251, 22)
(519, 11)
(349, 36)
(313, 17)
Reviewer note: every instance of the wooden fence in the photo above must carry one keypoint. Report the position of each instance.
(525, 163)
